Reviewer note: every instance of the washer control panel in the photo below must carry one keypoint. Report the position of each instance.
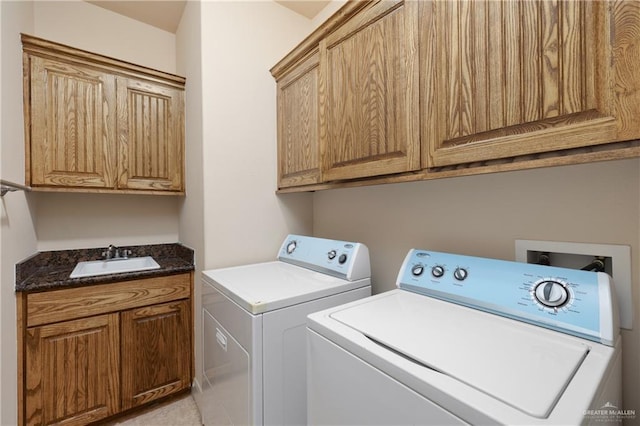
(342, 259)
(572, 301)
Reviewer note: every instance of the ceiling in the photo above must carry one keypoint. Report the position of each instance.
(166, 14)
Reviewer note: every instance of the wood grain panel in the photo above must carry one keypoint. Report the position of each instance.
(531, 62)
(544, 64)
(573, 96)
(21, 323)
(479, 85)
(150, 136)
(368, 111)
(551, 55)
(155, 362)
(79, 114)
(626, 54)
(73, 120)
(511, 28)
(73, 371)
(61, 305)
(298, 124)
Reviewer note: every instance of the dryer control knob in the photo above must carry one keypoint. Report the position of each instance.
(342, 258)
(460, 274)
(291, 246)
(437, 271)
(551, 293)
(332, 254)
(417, 270)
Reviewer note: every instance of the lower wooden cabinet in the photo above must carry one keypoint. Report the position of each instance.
(89, 353)
(73, 371)
(154, 362)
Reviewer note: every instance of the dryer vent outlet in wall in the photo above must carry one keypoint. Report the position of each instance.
(616, 260)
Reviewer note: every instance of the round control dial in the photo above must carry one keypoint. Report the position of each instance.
(460, 274)
(437, 271)
(332, 254)
(342, 259)
(417, 270)
(291, 246)
(551, 293)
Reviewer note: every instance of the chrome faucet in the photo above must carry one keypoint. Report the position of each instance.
(114, 253)
(111, 252)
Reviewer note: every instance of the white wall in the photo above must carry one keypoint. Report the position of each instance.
(189, 49)
(85, 26)
(328, 10)
(244, 219)
(483, 215)
(17, 235)
(231, 214)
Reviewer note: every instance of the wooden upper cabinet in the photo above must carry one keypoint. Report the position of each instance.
(72, 125)
(369, 111)
(458, 87)
(298, 124)
(150, 136)
(97, 124)
(502, 79)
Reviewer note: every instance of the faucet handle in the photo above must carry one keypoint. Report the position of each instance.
(125, 253)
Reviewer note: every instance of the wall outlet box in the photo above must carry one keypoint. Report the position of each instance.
(616, 258)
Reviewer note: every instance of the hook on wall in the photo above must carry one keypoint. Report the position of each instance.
(6, 186)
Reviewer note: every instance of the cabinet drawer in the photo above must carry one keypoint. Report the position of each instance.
(60, 305)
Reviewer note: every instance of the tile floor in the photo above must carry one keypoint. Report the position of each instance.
(180, 412)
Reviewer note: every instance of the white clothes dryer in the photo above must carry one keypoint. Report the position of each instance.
(254, 328)
(467, 340)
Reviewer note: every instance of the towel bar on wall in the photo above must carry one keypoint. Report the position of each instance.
(6, 186)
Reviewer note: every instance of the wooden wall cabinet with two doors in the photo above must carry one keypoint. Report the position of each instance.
(89, 353)
(349, 108)
(96, 124)
(409, 90)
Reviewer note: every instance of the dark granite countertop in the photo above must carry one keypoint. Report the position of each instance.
(50, 270)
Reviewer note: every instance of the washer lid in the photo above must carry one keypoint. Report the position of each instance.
(522, 365)
(263, 287)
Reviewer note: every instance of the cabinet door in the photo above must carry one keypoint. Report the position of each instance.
(298, 125)
(150, 136)
(156, 352)
(72, 371)
(72, 132)
(369, 93)
(501, 79)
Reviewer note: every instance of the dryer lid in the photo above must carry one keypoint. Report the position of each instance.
(524, 366)
(268, 286)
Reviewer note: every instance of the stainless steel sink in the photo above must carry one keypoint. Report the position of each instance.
(113, 266)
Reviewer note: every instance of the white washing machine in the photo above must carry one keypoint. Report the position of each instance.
(467, 340)
(254, 328)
